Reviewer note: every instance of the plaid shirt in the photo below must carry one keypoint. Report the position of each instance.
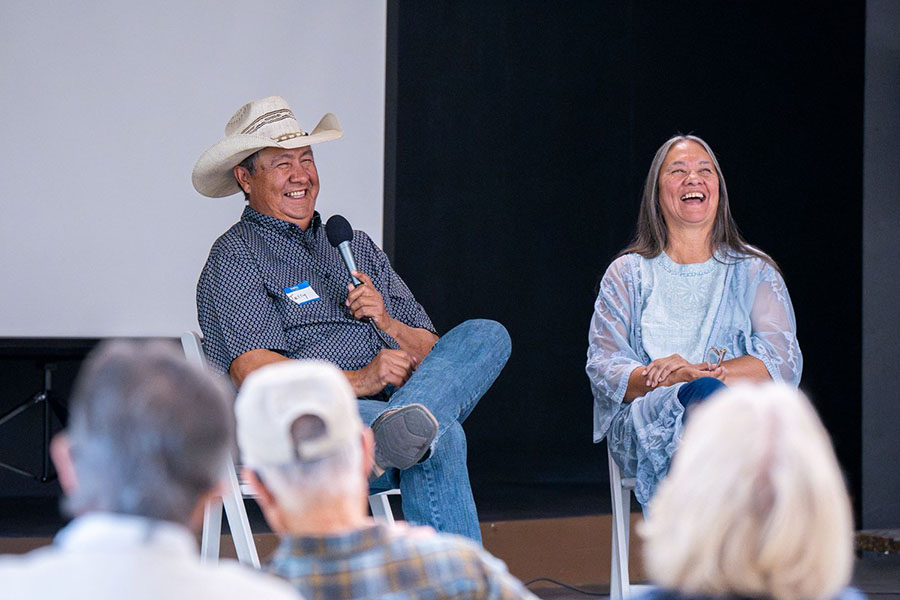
(378, 561)
(243, 302)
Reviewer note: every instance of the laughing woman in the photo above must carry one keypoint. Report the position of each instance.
(688, 307)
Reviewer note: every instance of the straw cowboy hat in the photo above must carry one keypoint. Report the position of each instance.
(261, 124)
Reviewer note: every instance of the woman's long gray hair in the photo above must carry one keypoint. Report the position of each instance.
(652, 237)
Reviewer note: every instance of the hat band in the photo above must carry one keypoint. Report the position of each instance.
(268, 118)
(289, 136)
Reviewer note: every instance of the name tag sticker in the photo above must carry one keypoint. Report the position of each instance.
(301, 293)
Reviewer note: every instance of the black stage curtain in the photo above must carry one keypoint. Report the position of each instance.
(519, 135)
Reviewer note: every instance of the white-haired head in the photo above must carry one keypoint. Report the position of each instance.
(754, 504)
(299, 428)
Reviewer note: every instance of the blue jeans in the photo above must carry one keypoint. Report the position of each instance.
(697, 391)
(450, 381)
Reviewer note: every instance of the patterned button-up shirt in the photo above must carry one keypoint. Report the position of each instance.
(243, 300)
(380, 562)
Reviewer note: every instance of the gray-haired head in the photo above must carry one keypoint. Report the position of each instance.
(651, 235)
(148, 432)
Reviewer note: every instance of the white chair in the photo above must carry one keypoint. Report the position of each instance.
(232, 497)
(620, 489)
(381, 506)
(235, 492)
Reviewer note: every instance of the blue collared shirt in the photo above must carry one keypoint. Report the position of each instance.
(242, 304)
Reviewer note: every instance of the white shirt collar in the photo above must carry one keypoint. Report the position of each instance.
(108, 531)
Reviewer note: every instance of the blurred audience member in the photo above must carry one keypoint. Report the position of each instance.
(754, 505)
(299, 429)
(147, 437)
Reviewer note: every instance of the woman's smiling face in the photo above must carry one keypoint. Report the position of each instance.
(688, 187)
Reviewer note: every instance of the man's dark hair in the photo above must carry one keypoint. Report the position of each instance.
(249, 163)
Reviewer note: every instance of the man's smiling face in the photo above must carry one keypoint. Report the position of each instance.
(284, 184)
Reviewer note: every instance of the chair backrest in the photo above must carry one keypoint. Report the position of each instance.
(192, 343)
(232, 493)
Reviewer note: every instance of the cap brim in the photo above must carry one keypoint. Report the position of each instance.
(213, 174)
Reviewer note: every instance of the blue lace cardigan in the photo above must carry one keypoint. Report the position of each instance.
(754, 317)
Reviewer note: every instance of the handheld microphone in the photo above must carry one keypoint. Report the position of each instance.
(339, 235)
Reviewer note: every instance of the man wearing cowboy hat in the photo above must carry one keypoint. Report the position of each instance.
(274, 289)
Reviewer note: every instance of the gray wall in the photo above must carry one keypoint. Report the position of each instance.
(881, 268)
(106, 107)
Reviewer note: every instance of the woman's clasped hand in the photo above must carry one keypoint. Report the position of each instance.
(674, 369)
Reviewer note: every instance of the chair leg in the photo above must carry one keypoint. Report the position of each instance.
(626, 547)
(621, 505)
(615, 583)
(237, 519)
(381, 508)
(212, 531)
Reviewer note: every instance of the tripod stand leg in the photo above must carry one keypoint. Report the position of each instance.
(17, 410)
(15, 469)
(48, 402)
(45, 474)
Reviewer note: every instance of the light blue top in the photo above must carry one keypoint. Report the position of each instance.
(678, 306)
(752, 315)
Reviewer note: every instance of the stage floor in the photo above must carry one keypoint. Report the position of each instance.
(568, 541)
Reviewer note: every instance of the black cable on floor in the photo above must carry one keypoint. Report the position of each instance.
(565, 585)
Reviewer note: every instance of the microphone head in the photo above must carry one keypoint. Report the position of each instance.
(338, 230)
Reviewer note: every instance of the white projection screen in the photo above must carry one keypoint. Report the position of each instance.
(106, 105)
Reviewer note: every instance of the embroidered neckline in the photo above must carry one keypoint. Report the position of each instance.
(689, 270)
